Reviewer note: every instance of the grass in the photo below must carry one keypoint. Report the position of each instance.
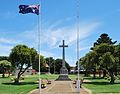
(99, 86)
(28, 84)
(8, 87)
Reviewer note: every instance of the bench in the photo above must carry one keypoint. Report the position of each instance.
(43, 84)
(48, 81)
(81, 82)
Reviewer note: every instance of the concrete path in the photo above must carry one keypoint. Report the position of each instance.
(60, 87)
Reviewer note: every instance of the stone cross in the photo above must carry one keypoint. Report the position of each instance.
(63, 45)
(63, 71)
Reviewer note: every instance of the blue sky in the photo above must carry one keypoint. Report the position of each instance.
(58, 22)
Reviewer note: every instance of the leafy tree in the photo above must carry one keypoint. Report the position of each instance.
(50, 62)
(104, 38)
(117, 56)
(54, 65)
(109, 62)
(22, 58)
(3, 58)
(4, 66)
(94, 62)
(109, 59)
(102, 49)
(84, 61)
(35, 65)
(104, 41)
(58, 65)
(90, 62)
(104, 55)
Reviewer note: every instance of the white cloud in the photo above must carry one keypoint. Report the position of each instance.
(68, 33)
(84, 48)
(47, 54)
(50, 37)
(53, 34)
(8, 41)
(6, 45)
(5, 50)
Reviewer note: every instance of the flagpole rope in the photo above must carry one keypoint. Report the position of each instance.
(77, 17)
(39, 30)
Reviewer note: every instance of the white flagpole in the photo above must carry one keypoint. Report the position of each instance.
(39, 30)
(78, 81)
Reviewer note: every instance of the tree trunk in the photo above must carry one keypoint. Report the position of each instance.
(86, 73)
(3, 72)
(94, 73)
(17, 79)
(3, 75)
(99, 71)
(8, 73)
(104, 73)
(112, 80)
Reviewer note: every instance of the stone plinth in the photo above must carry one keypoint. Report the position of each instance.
(63, 75)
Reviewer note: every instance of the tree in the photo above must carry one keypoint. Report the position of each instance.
(22, 55)
(117, 56)
(102, 49)
(90, 62)
(4, 58)
(104, 41)
(4, 66)
(108, 61)
(104, 38)
(84, 61)
(58, 65)
(50, 62)
(104, 55)
(35, 65)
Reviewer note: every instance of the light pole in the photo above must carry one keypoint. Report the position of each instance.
(49, 65)
(54, 67)
(77, 17)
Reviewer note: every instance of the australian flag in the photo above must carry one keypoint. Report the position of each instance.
(24, 9)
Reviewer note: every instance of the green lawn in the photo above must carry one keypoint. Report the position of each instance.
(28, 84)
(96, 85)
(7, 87)
(102, 86)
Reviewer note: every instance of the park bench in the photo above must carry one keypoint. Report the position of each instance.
(81, 82)
(74, 81)
(43, 84)
(48, 81)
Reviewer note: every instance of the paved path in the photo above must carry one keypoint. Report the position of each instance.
(60, 87)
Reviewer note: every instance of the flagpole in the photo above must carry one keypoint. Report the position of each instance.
(39, 30)
(77, 17)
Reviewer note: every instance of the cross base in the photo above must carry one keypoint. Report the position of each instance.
(63, 75)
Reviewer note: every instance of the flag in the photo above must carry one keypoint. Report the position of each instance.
(24, 9)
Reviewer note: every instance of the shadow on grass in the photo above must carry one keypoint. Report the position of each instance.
(3, 78)
(21, 83)
(91, 78)
(97, 83)
(100, 83)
